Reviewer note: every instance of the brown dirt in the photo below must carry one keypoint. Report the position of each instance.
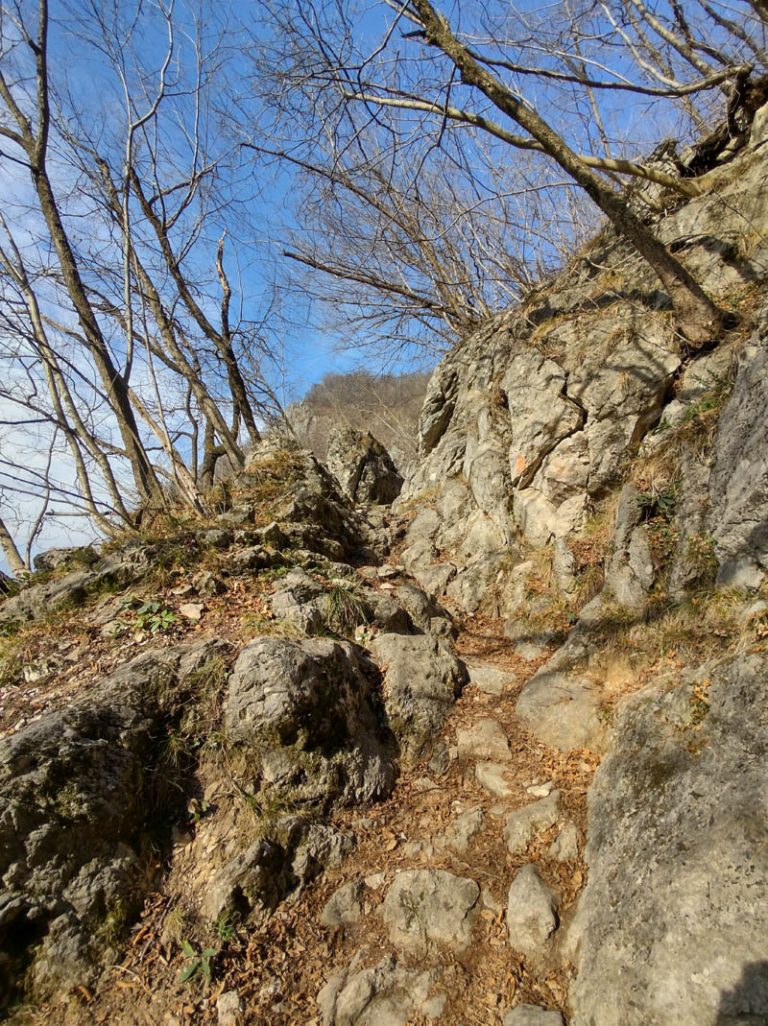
(279, 967)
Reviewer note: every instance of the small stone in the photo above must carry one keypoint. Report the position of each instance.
(192, 611)
(386, 994)
(440, 762)
(532, 1015)
(490, 775)
(216, 538)
(462, 830)
(484, 739)
(523, 824)
(375, 880)
(530, 651)
(344, 906)
(490, 679)
(229, 1008)
(205, 583)
(540, 790)
(531, 918)
(492, 903)
(566, 846)
(426, 907)
(755, 611)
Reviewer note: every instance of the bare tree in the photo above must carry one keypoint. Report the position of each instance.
(122, 331)
(422, 70)
(421, 255)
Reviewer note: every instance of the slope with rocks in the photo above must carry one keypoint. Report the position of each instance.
(493, 755)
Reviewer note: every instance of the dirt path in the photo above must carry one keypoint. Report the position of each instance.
(278, 969)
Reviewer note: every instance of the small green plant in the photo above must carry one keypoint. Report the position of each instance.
(155, 618)
(658, 504)
(274, 573)
(345, 609)
(606, 713)
(225, 928)
(197, 962)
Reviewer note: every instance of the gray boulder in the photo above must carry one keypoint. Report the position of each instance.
(363, 467)
(77, 791)
(387, 994)
(309, 709)
(425, 611)
(344, 906)
(673, 921)
(531, 913)
(561, 709)
(484, 739)
(422, 680)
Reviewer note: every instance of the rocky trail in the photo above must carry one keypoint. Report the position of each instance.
(419, 924)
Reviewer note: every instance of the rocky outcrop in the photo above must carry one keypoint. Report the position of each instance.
(363, 467)
(116, 570)
(307, 707)
(82, 791)
(673, 921)
(589, 482)
(738, 487)
(531, 421)
(422, 680)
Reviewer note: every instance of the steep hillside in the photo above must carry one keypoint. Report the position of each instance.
(388, 405)
(493, 754)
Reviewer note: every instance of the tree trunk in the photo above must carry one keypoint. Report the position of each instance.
(698, 318)
(10, 549)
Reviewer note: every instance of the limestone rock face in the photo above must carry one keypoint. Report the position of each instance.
(363, 467)
(629, 573)
(739, 481)
(534, 417)
(673, 921)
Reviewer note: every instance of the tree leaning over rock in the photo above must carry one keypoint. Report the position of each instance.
(421, 81)
(698, 318)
